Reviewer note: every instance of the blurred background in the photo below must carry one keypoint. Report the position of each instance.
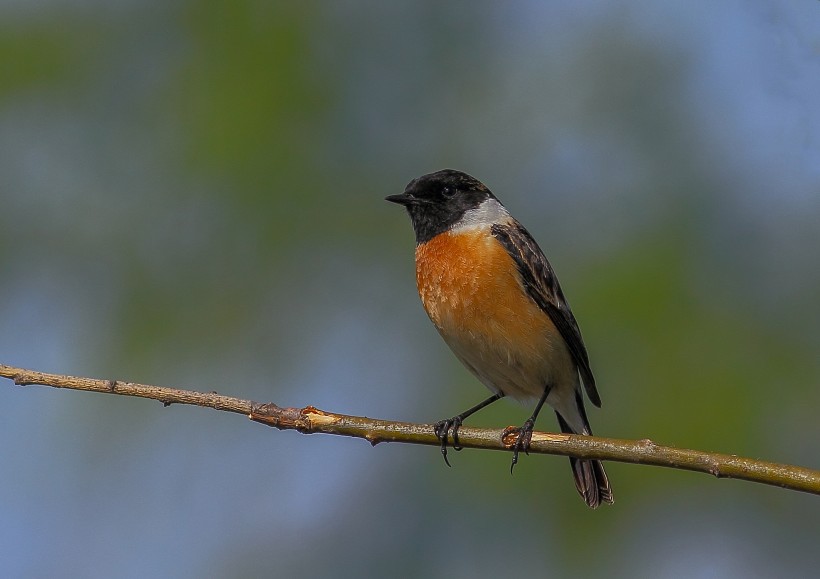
(192, 195)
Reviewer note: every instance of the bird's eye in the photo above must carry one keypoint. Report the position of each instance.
(448, 191)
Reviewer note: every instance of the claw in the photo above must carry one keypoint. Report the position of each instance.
(522, 442)
(456, 427)
(442, 429)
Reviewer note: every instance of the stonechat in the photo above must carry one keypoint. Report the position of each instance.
(496, 301)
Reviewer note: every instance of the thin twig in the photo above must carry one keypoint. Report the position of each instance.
(310, 420)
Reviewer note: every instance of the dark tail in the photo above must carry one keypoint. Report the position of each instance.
(590, 476)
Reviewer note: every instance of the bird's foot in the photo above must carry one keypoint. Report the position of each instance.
(523, 437)
(443, 428)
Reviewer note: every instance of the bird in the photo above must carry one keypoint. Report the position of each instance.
(496, 301)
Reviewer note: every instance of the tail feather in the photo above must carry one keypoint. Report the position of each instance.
(590, 476)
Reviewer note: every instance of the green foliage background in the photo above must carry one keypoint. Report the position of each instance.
(191, 195)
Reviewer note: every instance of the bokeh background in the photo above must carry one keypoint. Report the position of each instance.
(192, 195)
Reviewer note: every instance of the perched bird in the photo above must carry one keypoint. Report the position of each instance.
(495, 300)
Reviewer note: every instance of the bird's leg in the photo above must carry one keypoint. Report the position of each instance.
(443, 428)
(522, 441)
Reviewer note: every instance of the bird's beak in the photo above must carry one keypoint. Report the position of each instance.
(402, 199)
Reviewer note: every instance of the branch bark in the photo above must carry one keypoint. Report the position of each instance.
(309, 420)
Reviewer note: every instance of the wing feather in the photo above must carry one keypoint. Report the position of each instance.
(542, 286)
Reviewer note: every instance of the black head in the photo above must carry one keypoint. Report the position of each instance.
(437, 201)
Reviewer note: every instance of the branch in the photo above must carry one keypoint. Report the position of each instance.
(311, 420)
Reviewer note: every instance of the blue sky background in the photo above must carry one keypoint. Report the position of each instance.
(192, 195)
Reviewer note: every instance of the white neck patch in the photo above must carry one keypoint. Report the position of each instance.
(483, 216)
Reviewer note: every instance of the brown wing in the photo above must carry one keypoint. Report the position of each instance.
(542, 286)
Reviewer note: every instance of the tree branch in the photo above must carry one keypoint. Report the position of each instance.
(311, 420)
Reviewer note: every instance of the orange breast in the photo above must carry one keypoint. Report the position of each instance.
(473, 293)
